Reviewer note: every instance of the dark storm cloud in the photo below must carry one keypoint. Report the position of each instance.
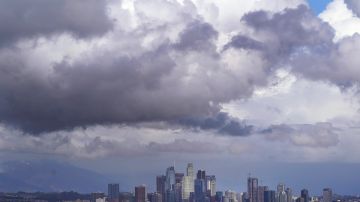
(354, 5)
(33, 18)
(92, 91)
(197, 37)
(109, 88)
(240, 41)
(171, 81)
(222, 123)
(284, 33)
(299, 39)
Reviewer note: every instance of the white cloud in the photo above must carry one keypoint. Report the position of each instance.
(341, 18)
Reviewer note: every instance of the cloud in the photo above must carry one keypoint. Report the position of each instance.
(354, 5)
(307, 135)
(221, 123)
(31, 19)
(277, 36)
(114, 84)
(152, 68)
(341, 18)
(100, 141)
(183, 145)
(302, 42)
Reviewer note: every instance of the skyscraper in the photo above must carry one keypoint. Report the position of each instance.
(305, 195)
(201, 174)
(154, 197)
(113, 191)
(190, 170)
(199, 190)
(289, 196)
(212, 185)
(269, 196)
(261, 192)
(160, 186)
(140, 193)
(230, 196)
(252, 184)
(219, 196)
(170, 184)
(327, 195)
(170, 178)
(281, 194)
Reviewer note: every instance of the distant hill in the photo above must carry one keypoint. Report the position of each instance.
(49, 176)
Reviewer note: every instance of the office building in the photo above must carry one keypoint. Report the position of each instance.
(154, 197)
(201, 174)
(261, 192)
(199, 190)
(252, 185)
(126, 197)
(230, 196)
(160, 186)
(269, 196)
(327, 195)
(140, 194)
(113, 191)
(305, 195)
(210, 182)
(219, 196)
(170, 178)
(289, 196)
(281, 194)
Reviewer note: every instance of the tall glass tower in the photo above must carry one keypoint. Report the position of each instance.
(252, 189)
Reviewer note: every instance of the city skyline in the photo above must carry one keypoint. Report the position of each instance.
(173, 186)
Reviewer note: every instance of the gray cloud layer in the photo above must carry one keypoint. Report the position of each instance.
(171, 80)
(31, 19)
(308, 135)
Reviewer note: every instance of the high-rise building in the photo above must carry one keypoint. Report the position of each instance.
(305, 195)
(170, 178)
(219, 196)
(154, 197)
(178, 191)
(261, 192)
(113, 191)
(240, 196)
(269, 196)
(289, 195)
(201, 174)
(327, 195)
(210, 182)
(179, 177)
(230, 196)
(140, 194)
(160, 186)
(281, 194)
(126, 197)
(252, 184)
(280, 187)
(199, 190)
(190, 170)
(188, 182)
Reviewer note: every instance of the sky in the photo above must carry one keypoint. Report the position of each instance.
(127, 87)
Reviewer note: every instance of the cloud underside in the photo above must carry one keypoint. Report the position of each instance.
(65, 64)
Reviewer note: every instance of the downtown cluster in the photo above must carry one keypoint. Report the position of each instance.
(188, 187)
(179, 187)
